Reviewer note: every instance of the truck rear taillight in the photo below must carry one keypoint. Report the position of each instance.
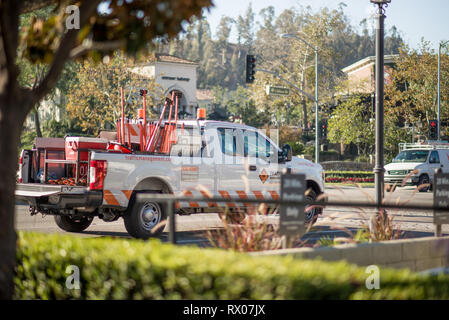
(20, 169)
(98, 170)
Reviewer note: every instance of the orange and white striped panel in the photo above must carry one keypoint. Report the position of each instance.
(134, 132)
(121, 198)
(118, 198)
(237, 194)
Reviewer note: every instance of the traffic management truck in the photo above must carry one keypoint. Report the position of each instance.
(77, 178)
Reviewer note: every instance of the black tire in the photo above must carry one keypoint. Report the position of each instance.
(424, 179)
(311, 215)
(142, 216)
(73, 224)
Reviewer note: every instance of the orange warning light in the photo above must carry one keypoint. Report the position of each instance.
(141, 113)
(201, 114)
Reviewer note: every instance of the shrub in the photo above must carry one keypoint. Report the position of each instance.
(133, 269)
(349, 176)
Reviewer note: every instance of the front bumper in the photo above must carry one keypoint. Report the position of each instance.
(399, 180)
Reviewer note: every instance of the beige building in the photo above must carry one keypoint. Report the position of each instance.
(174, 74)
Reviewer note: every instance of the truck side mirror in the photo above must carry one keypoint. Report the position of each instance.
(287, 151)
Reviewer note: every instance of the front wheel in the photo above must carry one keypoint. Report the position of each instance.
(312, 214)
(142, 217)
(424, 179)
(73, 224)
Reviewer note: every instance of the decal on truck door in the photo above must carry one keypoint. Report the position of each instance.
(189, 173)
(263, 176)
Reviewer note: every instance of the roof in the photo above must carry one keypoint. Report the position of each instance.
(163, 57)
(204, 94)
(388, 59)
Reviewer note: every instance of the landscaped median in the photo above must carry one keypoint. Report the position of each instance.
(131, 269)
(349, 177)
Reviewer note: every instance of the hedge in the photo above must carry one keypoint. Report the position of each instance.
(349, 176)
(133, 269)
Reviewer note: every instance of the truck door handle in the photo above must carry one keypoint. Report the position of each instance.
(252, 168)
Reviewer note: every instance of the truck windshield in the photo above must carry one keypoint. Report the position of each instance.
(411, 156)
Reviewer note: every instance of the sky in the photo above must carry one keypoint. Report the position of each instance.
(414, 19)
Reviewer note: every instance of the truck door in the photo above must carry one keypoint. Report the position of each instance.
(434, 163)
(264, 168)
(231, 166)
(444, 158)
(246, 169)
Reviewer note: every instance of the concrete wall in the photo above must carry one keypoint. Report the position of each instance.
(347, 166)
(417, 254)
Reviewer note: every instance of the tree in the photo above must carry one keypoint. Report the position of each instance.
(126, 25)
(412, 89)
(352, 121)
(95, 99)
(346, 123)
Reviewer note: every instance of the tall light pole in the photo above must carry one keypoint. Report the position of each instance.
(379, 167)
(315, 49)
(441, 44)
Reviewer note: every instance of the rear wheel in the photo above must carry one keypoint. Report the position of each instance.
(142, 217)
(73, 224)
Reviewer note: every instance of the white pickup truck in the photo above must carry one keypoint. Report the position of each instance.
(215, 158)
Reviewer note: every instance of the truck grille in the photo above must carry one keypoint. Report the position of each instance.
(397, 172)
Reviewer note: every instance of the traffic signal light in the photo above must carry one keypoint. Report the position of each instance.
(143, 91)
(323, 129)
(250, 68)
(433, 130)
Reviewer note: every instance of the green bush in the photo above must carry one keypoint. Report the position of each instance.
(132, 269)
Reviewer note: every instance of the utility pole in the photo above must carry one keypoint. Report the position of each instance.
(439, 78)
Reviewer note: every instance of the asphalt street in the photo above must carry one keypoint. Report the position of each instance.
(335, 221)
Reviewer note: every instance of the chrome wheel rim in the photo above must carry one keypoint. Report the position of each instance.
(311, 213)
(150, 215)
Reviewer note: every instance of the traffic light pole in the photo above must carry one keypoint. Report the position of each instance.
(379, 167)
(317, 141)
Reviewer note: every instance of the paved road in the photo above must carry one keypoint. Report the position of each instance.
(335, 222)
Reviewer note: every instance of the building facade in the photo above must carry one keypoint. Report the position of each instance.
(361, 74)
(174, 74)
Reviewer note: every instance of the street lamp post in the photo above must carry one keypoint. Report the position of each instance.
(441, 44)
(379, 167)
(315, 49)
